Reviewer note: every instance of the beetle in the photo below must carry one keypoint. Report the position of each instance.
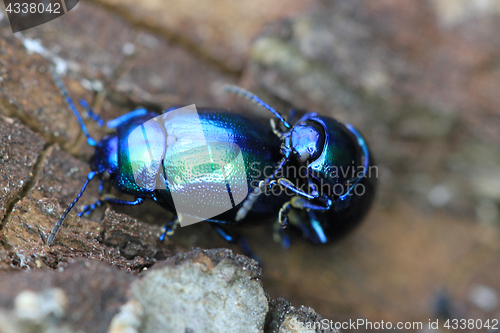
(138, 165)
(337, 161)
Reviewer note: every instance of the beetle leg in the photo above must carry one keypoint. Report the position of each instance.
(247, 250)
(252, 197)
(117, 201)
(318, 234)
(169, 228)
(90, 208)
(241, 241)
(283, 213)
(299, 202)
(91, 114)
(313, 188)
(101, 185)
(280, 235)
(114, 123)
(223, 233)
(310, 227)
(59, 223)
(289, 185)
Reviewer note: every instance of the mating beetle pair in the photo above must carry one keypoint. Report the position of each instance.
(331, 153)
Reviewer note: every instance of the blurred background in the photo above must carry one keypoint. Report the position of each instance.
(419, 78)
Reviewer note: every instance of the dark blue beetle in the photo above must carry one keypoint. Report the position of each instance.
(320, 144)
(339, 182)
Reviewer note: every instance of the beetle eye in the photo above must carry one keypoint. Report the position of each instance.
(307, 141)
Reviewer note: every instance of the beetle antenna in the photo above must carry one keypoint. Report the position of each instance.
(252, 97)
(65, 94)
(68, 209)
